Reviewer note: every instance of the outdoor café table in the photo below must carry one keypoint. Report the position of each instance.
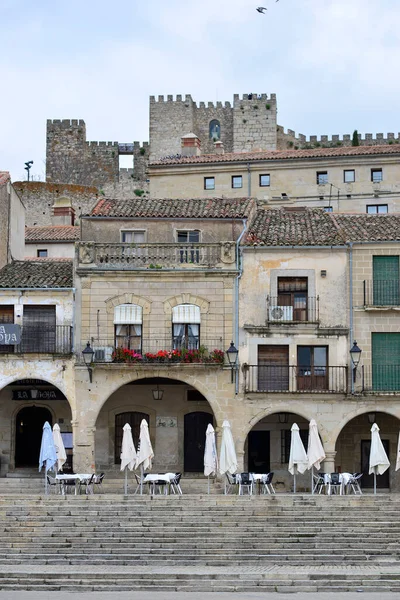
(343, 480)
(151, 478)
(258, 479)
(81, 477)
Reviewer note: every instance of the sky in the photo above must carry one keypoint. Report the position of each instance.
(332, 64)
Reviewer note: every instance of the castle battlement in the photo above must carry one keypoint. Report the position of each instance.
(138, 145)
(271, 97)
(170, 98)
(367, 139)
(66, 123)
(102, 144)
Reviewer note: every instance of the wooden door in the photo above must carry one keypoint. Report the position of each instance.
(195, 425)
(273, 368)
(133, 419)
(28, 435)
(259, 452)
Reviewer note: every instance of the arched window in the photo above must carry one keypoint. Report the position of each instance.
(128, 326)
(215, 130)
(186, 326)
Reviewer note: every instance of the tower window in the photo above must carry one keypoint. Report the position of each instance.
(215, 130)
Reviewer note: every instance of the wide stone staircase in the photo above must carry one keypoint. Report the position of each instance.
(208, 543)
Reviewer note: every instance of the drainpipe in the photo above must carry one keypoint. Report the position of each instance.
(248, 180)
(237, 278)
(350, 245)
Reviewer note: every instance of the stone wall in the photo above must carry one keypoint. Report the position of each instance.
(254, 122)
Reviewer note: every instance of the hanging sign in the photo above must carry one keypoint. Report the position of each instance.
(10, 334)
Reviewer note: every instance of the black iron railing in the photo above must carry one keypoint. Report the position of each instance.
(42, 339)
(380, 378)
(382, 292)
(304, 310)
(157, 349)
(293, 378)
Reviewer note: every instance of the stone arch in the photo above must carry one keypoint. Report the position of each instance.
(357, 411)
(10, 380)
(170, 303)
(128, 298)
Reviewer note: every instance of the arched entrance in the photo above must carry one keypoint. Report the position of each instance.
(195, 426)
(353, 449)
(28, 434)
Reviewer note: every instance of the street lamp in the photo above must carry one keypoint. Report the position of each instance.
(157, 393)
(28, 167)
(88, 354)
(355, 354)
(232, 354)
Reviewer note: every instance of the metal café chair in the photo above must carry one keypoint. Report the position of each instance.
(354, 483)
(231, 483)
(87, 485)
(53, 484)
(319, 483)
(175, 484)
(98, 480)
(246, 483)
(335, 484)
(267, 483)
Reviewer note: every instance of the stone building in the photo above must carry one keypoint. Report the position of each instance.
(12, 221)
(357, 179)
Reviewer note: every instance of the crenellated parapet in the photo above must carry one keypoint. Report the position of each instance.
(289, 138)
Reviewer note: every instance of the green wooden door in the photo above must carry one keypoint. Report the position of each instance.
(386, 280)
(386, 362)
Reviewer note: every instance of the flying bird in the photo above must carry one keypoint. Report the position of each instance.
(261, 9)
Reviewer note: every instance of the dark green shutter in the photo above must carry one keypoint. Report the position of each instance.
(386, 362)
(386, 280)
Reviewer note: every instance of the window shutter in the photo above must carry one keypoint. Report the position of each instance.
(128, 314)
(186, 313)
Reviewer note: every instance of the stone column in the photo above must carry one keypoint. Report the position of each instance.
(83, 453)
(329, 463)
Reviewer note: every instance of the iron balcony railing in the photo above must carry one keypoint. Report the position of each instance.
(300, 310)
(382, 292)
(156, 255)
(156, 349)
(293, 378)
(380, 378)
(42, 339)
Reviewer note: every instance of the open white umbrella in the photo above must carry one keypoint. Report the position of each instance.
(298, 461)
(227, 457)
(398, 455)
(128, 453)
(145, 452)
(48, 455)
(315, 450)
(378, 460)
(60, 449)
(210, 454)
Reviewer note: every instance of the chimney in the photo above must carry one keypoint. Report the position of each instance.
(63, 213)
(219, 147)
(191, 145)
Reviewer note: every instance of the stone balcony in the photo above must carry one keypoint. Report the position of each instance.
(156, 256)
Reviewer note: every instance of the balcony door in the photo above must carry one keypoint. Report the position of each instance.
(386, 362)
(312, 368)
(386, 280)
(293, 291)
(39, 329)
(273, 368)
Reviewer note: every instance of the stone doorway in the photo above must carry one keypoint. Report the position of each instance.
(194, 440)
(28, 435)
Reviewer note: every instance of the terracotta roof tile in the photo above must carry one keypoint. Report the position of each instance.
(306, 227)
(207, 208)
(368, 228)
(282, 155)
(37, 273)
(52, 233)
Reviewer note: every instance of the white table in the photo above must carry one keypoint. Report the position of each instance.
(77, 477)
(344, 479)
(152, 477)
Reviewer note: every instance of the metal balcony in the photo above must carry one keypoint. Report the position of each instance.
(295, 379)
(379, 293)
(42, 339)
(305, 310)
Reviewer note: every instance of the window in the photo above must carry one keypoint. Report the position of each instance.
(386, 279)
(6, 317)
(189, 255)
(265, 180)
(322, 177)
(286, 437)
(349, 176)
(186, 327)
(328, 208)
(377, 209)
(133, 237)
(128, 327)
(312, 368)
(237, 181)
(273, 368)
(39, 329)
(215, 130)
(41, 253)
(292, 293)
(209, 183)
(386, 362)
(376, 175)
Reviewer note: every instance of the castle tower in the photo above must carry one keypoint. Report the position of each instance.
(65, 150)
(169, 120)
(254, 122)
